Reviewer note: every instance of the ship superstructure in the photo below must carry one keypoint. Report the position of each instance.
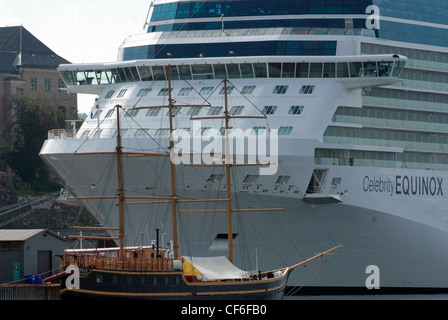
(359, 111)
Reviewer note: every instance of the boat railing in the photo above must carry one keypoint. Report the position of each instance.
(99, 261)
(59, 134)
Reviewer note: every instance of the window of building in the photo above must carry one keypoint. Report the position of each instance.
(47, 85)
(33, 84)
(61, 84)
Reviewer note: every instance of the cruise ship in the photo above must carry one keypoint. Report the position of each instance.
(351, 98)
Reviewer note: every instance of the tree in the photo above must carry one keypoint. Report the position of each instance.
(32, 118)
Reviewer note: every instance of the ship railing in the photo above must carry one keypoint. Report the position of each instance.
(59, 134)
(118, 263)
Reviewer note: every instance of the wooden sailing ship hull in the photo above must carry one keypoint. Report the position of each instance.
(170, 285)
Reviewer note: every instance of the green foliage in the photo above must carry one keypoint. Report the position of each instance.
(32, 120)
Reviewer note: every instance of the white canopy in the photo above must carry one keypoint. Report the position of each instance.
(216, 268)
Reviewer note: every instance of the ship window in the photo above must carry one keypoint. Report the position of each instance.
(329, 70)
(236, 110)
(175, 112)
(185, 91)
(233, 71)
(247, 70)
(215, 177)
(260, 70)
(248, 90)
(109, 94)
(316, 70)
(280, 89)
(384, 69)
(164, 92)
(205, 131)
(296, 109)
(343, 70)
(222, 131)
(308, 89)
(109, 113)
(284, 131)
(145, 73)
(206, 91)
(250, 178)
(99, 278)
(202, 71)
(162, 132)
(370, 69)
(258, 130)
(288, 70)
(97, 134)
(229, 90)
(132, 113)
(269, 109)
(185, 72)
(153, 112)
(97, 114)
(283, 179)
(122, 93)
(275, 70)
(141, 133)
(144, 92)
(302, 70)
(214, 111)
(159, 73)
(194, 111)
(355, 69)
(220, 71)
(122, 132)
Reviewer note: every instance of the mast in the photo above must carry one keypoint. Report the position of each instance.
(173, 171)
(228, 178)
(119, 153)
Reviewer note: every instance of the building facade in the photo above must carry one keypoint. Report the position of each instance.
(27, 66)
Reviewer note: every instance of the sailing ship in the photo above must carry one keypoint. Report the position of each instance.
(157, 272)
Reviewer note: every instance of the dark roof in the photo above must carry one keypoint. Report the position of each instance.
(34, 54)
(7, 60)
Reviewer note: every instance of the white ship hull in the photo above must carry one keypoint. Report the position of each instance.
(378, 216)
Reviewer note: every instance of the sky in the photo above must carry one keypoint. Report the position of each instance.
(80, 31)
